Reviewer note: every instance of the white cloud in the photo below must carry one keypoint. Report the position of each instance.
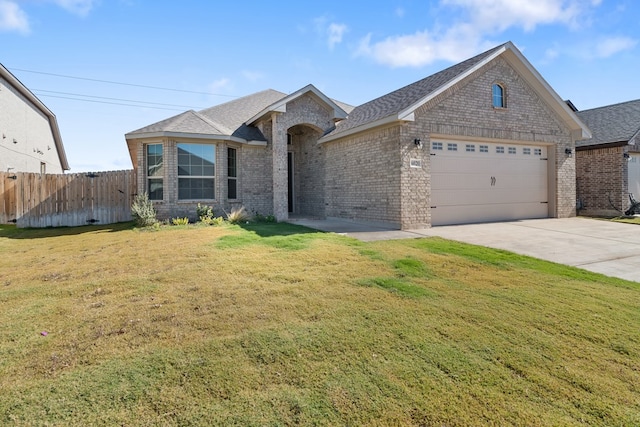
(77, 7)
(335, 33)
(612, 45)
(12, 18)
(220, 85)
(252, 75)
(480, 20)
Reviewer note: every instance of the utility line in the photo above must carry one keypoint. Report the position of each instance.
(112, 103)
(121, 83)
(114, 99)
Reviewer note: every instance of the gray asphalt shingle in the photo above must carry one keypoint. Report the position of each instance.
(612, 123)
(398, 100)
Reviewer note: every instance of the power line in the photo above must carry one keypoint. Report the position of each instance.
(112, 103)
(120, 83)
(114, 99)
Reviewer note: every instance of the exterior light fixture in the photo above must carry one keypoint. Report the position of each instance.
(626, 156)
(568, 152)
(417, 142)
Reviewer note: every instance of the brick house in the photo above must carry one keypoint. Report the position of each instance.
(608, 164)
(484, 140)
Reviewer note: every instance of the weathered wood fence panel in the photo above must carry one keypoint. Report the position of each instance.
(36, 200)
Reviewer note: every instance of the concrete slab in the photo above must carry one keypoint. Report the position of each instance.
(603, 247)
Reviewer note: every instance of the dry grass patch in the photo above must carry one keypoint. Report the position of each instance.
(273, 324)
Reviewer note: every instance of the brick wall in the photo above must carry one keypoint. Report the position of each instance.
(602, 175)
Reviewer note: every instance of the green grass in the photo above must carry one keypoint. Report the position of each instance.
(275, 324)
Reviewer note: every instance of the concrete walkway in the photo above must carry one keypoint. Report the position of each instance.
(603, 247)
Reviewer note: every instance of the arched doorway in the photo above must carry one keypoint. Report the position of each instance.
(305, 171)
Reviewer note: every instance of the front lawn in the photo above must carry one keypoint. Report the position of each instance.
(274, 324)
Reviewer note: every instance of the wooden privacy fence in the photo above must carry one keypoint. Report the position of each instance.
(36, 200)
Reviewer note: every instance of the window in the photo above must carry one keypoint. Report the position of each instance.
(155, 171)
(470, 148)
(500, 150)
(232, 173)
(497, 92)
(526, 151)
(196, 171)
(512, 150)
(484, 148)
(452, 147)
(537, 151)
(436, 145)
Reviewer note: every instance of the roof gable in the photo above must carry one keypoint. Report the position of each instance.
(617, 123)
(402, 103)
(281, 104)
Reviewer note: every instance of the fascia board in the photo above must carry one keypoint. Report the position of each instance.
(205, 136)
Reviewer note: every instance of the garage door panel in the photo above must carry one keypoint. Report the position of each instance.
(492, 185)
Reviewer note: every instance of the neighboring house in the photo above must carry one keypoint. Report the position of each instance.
(484, 140)
(29, 136)
(608, 165)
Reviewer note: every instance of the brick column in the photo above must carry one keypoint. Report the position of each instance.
(280, 178)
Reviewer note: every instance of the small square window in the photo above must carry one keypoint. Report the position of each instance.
(500, 150)
(537, 151)
(484, 148)
(512, 150)
(526, 151)
(436, 145)
(452, 147)
(470, 148)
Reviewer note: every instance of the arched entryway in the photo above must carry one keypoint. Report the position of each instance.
(305, 171)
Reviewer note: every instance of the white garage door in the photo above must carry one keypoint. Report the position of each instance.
(634, 175)
(482, 182)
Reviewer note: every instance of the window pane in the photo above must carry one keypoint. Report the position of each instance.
(498, 96)
(154, 160)
(155, 189)
(196, 159)
(232, 192)
(196, 188)
(231, 163)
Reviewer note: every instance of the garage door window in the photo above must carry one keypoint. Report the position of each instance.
(436, 146)
(452, 147)
(537, 151)
(526, 151)
(500, 150)
(470, 148)
(512, 150)
(484, 148)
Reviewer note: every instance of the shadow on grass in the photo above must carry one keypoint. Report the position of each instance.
(13, 232)
(278, 235)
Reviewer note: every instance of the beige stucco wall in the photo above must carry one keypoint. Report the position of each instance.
(26, 138)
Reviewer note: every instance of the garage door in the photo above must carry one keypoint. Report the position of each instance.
(482, 182)
(634, 175)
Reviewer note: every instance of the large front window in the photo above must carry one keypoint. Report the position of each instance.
(155, 171)
(196, 171)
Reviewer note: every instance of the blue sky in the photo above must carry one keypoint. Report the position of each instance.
(71, 54)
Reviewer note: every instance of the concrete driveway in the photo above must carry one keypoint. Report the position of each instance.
(603, 247)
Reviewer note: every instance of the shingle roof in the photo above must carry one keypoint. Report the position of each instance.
(226, 119)
(398, 100)
(612, 123)
(233, 115)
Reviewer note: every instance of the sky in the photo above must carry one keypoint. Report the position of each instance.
(109, 67)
